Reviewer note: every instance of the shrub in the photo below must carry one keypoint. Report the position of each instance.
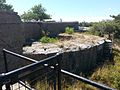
(69, 30)
(105, 27)
(46, 39)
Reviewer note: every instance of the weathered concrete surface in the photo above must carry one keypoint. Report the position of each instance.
(75, 43)
(80, 52)
(10, 37)
(32, 32)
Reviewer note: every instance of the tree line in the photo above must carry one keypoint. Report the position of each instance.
(37, 12)
(110, 27)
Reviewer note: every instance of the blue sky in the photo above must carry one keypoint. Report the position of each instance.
(72, 10)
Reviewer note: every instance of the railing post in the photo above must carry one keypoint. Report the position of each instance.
(55, 69)
(5, 61)
(59, 71)
(0, 87)
(6, 69)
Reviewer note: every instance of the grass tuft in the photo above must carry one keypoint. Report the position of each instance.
(46, 39)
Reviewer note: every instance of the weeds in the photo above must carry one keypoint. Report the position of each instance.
(109, 74)
(46, 39)
(69, 30)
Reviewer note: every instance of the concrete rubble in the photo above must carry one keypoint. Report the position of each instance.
(76, 43)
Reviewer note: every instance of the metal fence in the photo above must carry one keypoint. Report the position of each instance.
(45, 74)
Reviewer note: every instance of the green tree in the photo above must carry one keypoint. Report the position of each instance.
(5, 7)
(117, 21)
(35, 13)
(85, 24)
(106, 27)
(116, 17)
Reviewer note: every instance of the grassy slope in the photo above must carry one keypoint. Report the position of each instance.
(107, 74)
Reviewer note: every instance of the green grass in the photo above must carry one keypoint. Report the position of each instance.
(69, 30)
(46, 39)
(109, 74)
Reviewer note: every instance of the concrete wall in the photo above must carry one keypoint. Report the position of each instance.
(77, 61)
(9, 17)
(32, 32)
(11, 37)
(54, 28)
(14, 34)
(80, 61)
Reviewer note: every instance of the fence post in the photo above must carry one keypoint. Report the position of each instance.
(59, 71)
(5, 62)
(55, 69)
(6, 69)
(0, 87)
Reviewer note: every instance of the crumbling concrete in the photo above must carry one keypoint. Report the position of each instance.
(80, 52)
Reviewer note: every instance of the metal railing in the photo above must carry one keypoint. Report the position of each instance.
(87, 81)
(19, 74)
(52, 63)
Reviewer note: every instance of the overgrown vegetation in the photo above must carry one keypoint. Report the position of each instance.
(46, 39)
(109, 74)
(69, 30)
(106, 27)
(109, 27)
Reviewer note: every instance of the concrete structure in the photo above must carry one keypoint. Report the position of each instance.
(33, 30)
(11, 37)
(81, 53)
(54, 28)
(14, 34)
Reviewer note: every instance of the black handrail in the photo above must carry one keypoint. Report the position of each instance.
(16, 72)
(8, 76)
(100, 86)
(19, 56)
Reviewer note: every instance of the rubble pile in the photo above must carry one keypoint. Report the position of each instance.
(76, 42)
